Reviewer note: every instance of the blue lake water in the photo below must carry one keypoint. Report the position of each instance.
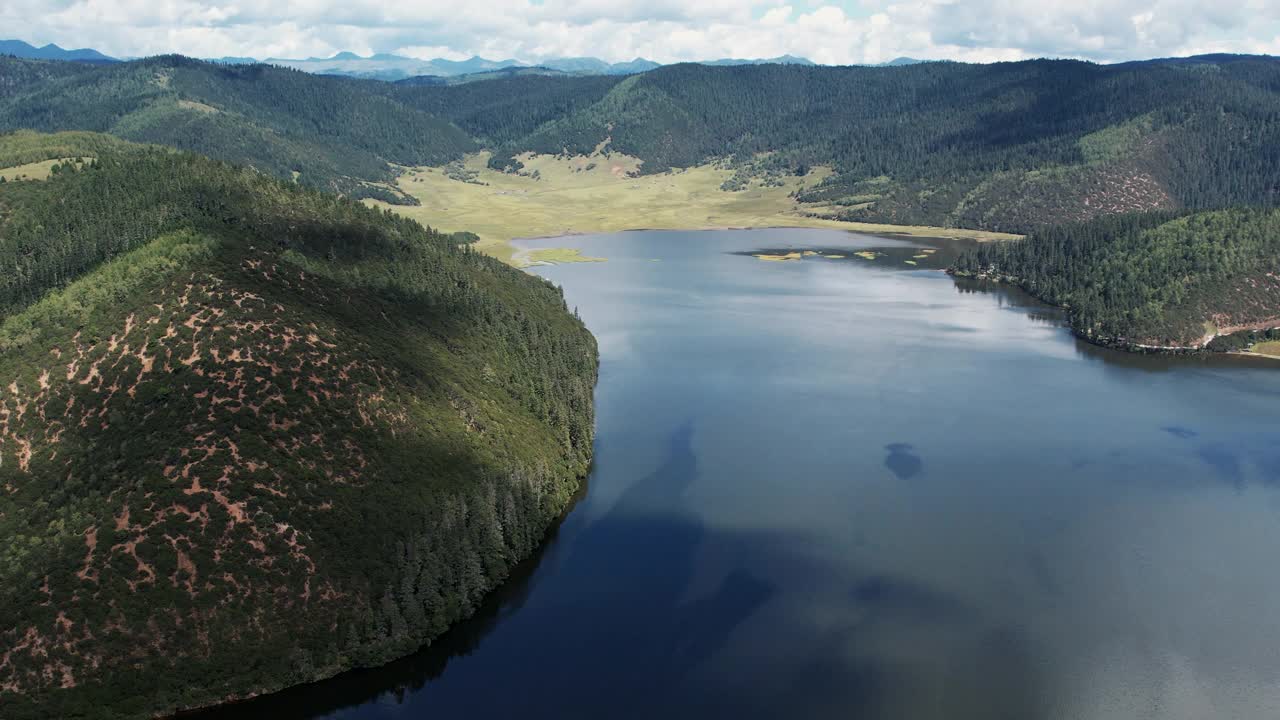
(852, 488)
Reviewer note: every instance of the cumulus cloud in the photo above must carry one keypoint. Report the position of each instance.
(828, 31)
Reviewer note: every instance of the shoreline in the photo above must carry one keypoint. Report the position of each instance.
(518, 256)
(1112, 343)
(925, 231)
(1251, 354)
(517, 576)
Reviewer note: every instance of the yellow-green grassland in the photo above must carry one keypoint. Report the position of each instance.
(32, 171)
(1270, 348)
(554, 196)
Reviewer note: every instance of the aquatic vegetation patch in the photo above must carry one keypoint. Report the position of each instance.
(557, 256)
(778, 257)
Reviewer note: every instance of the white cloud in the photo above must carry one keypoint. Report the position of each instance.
(430, 52)
(830, 31)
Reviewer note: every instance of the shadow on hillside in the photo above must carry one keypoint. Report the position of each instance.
(619, 614)
(626, 621)
(407, 674)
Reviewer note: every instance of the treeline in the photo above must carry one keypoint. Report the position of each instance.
(393, 420)
(1166, 279)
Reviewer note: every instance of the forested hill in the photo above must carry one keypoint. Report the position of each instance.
(252, 434)
(331, 133)
(1158, 280)
(1007, 146)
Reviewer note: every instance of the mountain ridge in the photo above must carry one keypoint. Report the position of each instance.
(332, 133)
(1003, 147)
(391, 67)
(19, 48)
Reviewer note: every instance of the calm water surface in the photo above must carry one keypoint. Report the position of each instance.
(848, 488)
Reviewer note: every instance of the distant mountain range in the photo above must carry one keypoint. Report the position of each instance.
(500, 73)
(18, 48)
(439, 71)
(384, 66)
(780, 60)
(899, 61)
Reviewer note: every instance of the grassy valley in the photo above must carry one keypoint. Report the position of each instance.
(252, 435)
(604, 192)
(1005, 147)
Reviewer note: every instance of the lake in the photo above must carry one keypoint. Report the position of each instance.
(852, 487)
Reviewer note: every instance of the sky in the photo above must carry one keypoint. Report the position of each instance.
(826, 31)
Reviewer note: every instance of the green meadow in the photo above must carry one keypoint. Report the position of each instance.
(554, 196)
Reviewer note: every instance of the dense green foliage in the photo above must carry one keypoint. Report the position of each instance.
(1008, 146)
(504, 111)
(19, 76)
(1157, 279)
(252, 434)
(332, 133)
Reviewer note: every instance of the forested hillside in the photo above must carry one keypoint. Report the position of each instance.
(1008, 146)
(1157, 279)
(19, 76)
(1005, 147)
(252, 434)
(330, 133)
(504, 111)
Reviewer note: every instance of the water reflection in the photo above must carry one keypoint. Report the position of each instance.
(1093, 536)
(884, 596)
(1224, 462)
(397, 680)
(1015, 299)
(903, 461)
